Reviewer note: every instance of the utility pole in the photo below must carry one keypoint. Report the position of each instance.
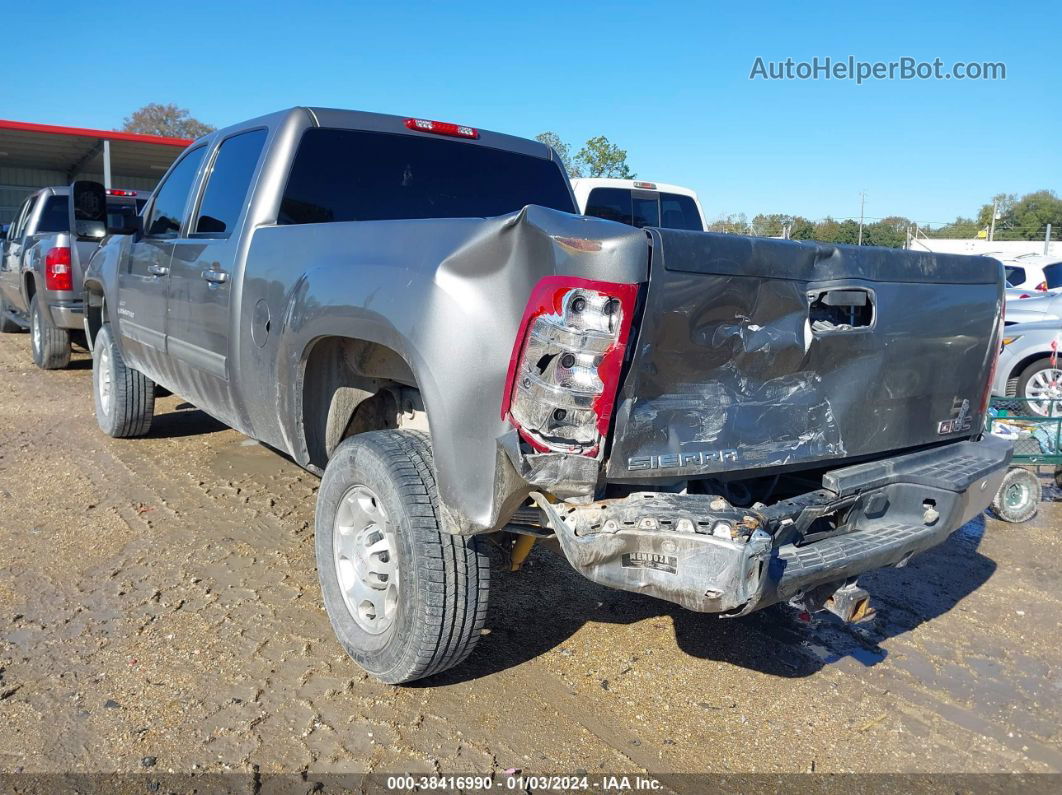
(862, 203)
(1047, 240)
(992, 228)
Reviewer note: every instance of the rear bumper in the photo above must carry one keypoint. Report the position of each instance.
(67, 314)
(706, 555)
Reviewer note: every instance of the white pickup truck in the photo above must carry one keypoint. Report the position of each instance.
(639, 203)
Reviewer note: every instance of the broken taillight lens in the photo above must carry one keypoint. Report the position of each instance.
(565, 368)
(58, 274)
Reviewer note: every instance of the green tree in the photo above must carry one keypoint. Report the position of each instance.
(1028, 218)
(564, 152)
(959, 228)
(166, 120)
(801, 229)
(601, 158)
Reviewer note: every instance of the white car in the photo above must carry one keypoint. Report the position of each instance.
(639, 203)
(1033, 273)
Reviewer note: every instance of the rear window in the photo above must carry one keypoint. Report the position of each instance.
(1015, 275)
(1053, 274)
(55, 216)
(352, 175)
(644, 208)
(120, 215)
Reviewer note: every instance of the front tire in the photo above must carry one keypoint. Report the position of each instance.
(1041, 384)
(49, 343)
(406, 598)
(1018, 498)
(124, 397)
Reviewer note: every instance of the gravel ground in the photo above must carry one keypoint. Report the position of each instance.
(160, 609)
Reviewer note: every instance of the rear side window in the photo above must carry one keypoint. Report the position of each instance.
(56, 215)
(168, 209)
(228, 182)
(1053, 274)
(1015, 275)
(679, 212)
(353, 175)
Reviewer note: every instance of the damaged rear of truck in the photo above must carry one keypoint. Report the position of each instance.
(415, 310)
(787, 416)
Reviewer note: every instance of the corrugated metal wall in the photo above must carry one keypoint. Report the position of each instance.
(15, 183)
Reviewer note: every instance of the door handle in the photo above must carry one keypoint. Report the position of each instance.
(215, 277)
(158, 270)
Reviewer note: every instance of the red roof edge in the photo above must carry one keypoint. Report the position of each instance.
(83, 132)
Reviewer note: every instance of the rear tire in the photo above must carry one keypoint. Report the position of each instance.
(49, 344)
(7, 325)
(124, 397)
(406, 598)
(1018, 498)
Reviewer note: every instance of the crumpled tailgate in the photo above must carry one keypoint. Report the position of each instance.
(755, 353)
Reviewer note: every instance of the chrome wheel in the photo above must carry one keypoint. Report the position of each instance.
(1044, 391)
(364, 550)
(104, 382)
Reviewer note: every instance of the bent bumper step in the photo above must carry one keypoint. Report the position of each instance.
(709, 556)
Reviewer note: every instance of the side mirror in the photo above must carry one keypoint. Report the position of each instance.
(88, 209)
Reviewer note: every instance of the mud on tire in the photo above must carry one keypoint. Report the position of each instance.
(1018, 498)
(49, 344)
(378, 495)
(124, 397)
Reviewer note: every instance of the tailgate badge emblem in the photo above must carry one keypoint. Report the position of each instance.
(962, 421)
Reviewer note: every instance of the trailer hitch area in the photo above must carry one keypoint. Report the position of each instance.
(847, 601)
(696, 550)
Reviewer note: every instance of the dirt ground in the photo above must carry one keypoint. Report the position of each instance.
(159, 607)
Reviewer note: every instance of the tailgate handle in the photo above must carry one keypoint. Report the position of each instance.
(842, 309)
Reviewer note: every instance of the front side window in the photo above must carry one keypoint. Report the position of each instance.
(1015, 275)
(228, 183)
(354, 175)
(55, 217)
(15, 232)
(168, 208)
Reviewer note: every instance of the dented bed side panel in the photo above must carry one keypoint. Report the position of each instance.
(447, 296)
(742, 364)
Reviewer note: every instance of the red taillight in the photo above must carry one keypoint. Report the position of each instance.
(565, 368)
(117, 192)
(442, 128)
(58, 275)
(1042, 287)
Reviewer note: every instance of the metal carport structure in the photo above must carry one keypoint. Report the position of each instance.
(37, 155)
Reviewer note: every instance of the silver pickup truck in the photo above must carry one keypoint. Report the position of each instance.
(41, 268)
(414, 310)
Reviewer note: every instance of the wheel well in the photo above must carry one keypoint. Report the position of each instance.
(351, 386)
(31, 288)
(1028, 360)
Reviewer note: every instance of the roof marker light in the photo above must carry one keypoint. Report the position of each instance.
(442, 128)
(117, 192)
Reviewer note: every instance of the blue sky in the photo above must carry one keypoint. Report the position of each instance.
(669, 82)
